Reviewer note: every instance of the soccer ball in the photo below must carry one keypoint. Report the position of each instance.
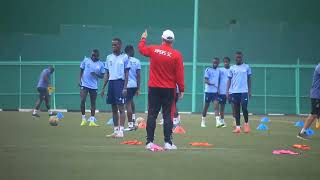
(139, 120)
(53, 121)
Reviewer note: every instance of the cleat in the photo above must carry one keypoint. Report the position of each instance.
(234, 124)
(83, 122)
(149, 146)
(246, 128)
(161, 122)
(93, 124)
(134, 128)
(224, 125)
(36, 115)
(218, 125)
(112, 135)
(218, 122)
(119, 134)
(168, 146)
(203, 124)
(303, 136)
(52, 114)
(237, 130)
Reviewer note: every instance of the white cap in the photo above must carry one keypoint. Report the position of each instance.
(168, 35)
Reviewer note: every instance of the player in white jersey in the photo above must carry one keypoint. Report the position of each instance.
(223, 89)
(211, 80)
(133, 87)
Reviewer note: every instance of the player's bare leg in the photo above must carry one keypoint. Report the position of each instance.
(93, 98)
(204, 114)
(307, 124)
(115, 118)
(222, 108)
(122, 120)
(37, 107)
(237, 116)
(129, 106)
(216, 113)
(83, 96)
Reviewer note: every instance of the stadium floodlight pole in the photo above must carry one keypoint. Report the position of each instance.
(20, 81)
(54, 85)
(297, 74)
(265, 91)
(195, 55)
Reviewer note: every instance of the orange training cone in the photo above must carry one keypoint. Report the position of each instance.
(179, 130)
(132, 142)
(301, 146)
(201, 144)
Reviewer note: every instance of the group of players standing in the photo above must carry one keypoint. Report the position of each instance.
(228, 84)
(121, 72)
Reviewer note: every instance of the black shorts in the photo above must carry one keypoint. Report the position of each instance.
(91, 91)
(315, 107)
(43, 92)
(131, 92)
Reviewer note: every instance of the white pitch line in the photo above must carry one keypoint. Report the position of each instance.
(25, 110)
(135, 149)
(129, 147)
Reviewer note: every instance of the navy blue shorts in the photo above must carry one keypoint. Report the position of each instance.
(87, 90)
(315, 107)
(114, 95)
(210, 97)
(131, 92)
(241, 98)
(43, 92)
(223, 99)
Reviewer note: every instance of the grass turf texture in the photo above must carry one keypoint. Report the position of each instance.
(31, 149)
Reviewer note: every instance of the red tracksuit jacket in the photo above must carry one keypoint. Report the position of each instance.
(166, 65)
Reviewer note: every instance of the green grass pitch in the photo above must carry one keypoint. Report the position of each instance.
(30, 149)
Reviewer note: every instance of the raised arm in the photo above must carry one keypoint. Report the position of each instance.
(143, 48)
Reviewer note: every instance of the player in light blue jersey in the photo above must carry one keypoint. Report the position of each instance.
(42, 88)
(239, 86)
(116, 76)
(224, 71)
(211, 80)
(91, 69)
(133, 87)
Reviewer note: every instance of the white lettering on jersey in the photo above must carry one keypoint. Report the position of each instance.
(162, 52)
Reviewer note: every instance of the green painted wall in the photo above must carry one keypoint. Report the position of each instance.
(267, 31)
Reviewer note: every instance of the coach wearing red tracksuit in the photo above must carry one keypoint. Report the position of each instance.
(166, 70)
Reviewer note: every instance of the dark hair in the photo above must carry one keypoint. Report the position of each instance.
(216, 58)
(117, 39)
(227, 58)
(51, 68)
(128, 48)
(239, 52)
(95, 50)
